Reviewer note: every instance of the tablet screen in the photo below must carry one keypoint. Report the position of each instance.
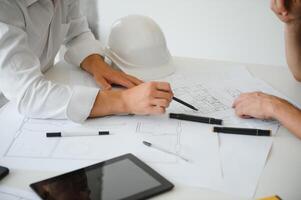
(120, 179)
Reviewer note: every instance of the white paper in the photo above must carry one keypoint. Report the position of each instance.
(31, 149)
(8, 193)
(215, 99)
(242, 158)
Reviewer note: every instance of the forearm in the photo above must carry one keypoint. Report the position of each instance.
(289, 116)
(92, 63)
(293, 48)
(109, 103)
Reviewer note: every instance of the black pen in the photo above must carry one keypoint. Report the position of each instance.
(194, 118)
(242, 131)
(184, 103)
(164, 150)
(76, 133)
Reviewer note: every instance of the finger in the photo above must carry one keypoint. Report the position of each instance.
(157, 110)
(103, 83)
(240, 99)
(246, 117)
(273, 6)
(164, 86)
(162, 95)
(121, 80)
(239, 111)
(247, 109)
(280, 4)
(134, 80)
(160, 102)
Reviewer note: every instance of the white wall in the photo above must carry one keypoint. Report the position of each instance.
(235, 30)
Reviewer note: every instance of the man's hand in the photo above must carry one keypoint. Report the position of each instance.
(150, 98)
(105, 76)
(287, 10)
(264, 106)
(257, 105)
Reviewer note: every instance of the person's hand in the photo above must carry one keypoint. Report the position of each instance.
(257, 104)
(105, 76)
(148, 98)
(287, 10)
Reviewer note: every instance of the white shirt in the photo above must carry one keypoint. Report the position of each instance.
(31, 33)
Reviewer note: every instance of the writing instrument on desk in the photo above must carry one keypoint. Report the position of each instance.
(194, 118)
(76, 134)
(242, 131)
(184, 103)
(275, 197)
(164, 150)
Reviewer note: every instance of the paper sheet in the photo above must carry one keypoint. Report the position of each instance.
(215, 99)
(8, 193)
(26, 146)
(31, 149)
(243, 157)
(243, 160)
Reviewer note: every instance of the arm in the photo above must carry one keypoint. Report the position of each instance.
(288, 115)
(293, 48)
(263, 106)
(21, 78)
(85, 51)
(289, 11)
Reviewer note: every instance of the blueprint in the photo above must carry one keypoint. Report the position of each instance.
(24, 144)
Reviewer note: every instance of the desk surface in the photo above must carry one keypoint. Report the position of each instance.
(282, 173)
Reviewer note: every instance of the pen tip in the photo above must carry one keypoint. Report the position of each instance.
(147, 143)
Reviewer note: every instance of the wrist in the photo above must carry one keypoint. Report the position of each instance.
(278, 107)
(92, 63)
(109, 103)
(293, 26)
(125, 100)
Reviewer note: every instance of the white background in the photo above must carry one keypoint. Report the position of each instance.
(235, 30)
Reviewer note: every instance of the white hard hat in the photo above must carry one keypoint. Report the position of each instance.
(138, 47)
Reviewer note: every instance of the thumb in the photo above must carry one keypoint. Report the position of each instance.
(281, 6)
(103, 83)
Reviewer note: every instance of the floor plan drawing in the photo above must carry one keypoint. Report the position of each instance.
(163, 132)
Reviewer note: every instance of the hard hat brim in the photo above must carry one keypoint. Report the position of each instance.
(145, 73)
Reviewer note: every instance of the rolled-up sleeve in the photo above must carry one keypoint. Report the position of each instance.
(80, 41)
(21, 78)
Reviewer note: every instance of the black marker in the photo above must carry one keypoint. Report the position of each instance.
(194, 118)
(184, 103)
(242, 131)
(77, 133)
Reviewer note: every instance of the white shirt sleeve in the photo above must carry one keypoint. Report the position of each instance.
(21, 77)
(80, 41)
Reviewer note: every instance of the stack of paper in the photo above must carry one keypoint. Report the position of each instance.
(227, 163)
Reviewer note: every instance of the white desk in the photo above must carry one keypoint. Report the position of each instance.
(282, 174)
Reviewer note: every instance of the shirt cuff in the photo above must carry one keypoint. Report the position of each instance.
(81, 103)
(82, 47)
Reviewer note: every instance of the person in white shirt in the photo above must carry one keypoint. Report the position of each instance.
(265, 106)
(31, 34)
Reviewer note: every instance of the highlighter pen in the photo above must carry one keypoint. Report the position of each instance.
(275, 197)
(184, 103)
(164, 150)
(194, 118)
(76, 134)
(242, 131)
